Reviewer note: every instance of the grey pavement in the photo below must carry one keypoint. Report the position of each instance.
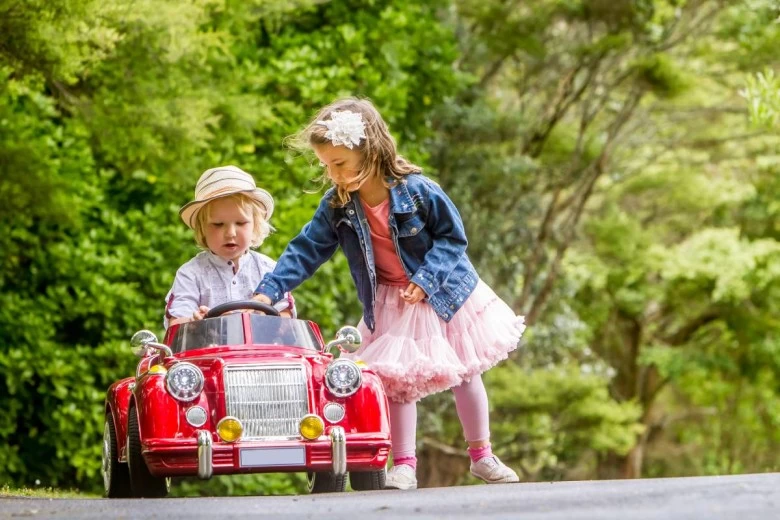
(743, 497)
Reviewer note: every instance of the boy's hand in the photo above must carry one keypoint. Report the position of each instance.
(412, 294)
(200, 313)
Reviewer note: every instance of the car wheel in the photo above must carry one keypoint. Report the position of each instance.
(367, 480)
(326, 482)
(116, 476)
(143, 483)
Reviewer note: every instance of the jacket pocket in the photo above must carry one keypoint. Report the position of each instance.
(410, 227)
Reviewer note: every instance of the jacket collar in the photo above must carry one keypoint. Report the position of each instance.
(400, 199)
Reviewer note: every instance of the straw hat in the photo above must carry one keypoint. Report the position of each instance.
(221, 182)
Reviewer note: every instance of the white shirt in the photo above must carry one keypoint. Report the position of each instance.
(208, 279)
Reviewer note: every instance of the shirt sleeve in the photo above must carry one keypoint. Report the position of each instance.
(305, 253)
(449, 241)
(183, 298)
(287, 303)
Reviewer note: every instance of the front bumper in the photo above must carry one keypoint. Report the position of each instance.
(338, 452)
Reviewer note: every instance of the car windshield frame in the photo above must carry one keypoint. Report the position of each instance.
(228, 330)
(283, 332)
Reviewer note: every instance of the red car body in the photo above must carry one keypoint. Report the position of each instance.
(268, 384)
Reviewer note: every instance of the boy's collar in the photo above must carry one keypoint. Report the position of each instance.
(221, 262)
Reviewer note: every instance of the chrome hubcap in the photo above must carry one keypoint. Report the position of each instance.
(106, 466)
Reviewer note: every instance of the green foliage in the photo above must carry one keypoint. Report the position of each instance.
(636, 220)
(763, 97)
(108, 114)
(661, 75)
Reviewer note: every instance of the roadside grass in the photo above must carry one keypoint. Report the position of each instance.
(7, 491)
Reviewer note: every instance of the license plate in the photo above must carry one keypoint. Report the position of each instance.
(270, 457)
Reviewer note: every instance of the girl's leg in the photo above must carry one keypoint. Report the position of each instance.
(403, 432)
(472, 405)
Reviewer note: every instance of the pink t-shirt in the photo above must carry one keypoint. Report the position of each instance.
(389, 270)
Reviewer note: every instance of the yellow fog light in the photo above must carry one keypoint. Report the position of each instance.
(311, 427)
(229, 429)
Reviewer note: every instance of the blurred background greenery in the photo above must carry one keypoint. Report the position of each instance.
(616, 164)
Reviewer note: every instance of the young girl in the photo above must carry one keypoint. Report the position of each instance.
(429, 323)
(229, 215)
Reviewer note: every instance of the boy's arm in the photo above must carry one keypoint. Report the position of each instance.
(286, 306)
(182, 300)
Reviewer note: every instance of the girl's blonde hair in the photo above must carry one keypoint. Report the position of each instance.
(248, 206)
(378, 150)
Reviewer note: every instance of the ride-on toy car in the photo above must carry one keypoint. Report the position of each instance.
(245, 393)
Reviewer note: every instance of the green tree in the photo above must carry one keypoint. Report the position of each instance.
(108, 114)
(611, 131)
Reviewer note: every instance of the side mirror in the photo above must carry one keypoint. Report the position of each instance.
(348, 339)
(140, 340)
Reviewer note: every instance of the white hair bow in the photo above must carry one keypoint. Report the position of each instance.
(345, 128)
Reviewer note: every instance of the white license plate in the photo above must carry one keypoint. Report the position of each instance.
(270, 457)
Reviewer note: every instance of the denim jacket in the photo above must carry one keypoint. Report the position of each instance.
(428, 234)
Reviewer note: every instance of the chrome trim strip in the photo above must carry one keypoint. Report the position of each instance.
(165, 349)
(339, 446)
(205, 467)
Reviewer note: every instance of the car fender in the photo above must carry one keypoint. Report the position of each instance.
(367, 409)
(117, 404)
(158, 412)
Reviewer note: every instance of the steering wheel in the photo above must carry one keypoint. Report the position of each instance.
(254, 305)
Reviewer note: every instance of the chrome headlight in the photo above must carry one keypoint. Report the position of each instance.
(343, 378)
(184, 381)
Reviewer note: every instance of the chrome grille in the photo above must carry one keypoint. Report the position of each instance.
(269, 400)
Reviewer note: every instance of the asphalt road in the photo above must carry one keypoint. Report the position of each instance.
(742, 497)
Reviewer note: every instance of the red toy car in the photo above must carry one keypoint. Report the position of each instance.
(245, 393)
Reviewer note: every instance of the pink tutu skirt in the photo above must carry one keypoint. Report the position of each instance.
(415, 353)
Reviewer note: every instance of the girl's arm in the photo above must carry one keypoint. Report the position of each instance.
(449, 240)
(305, 253)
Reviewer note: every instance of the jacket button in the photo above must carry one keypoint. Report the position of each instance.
(452, 307)
(414, 230)
(351, 212)
(446, 315)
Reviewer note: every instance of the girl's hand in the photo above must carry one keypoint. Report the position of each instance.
(262, 298)
(200, 313)
(412, 294)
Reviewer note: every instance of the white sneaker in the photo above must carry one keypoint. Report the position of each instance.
(401, 477)
(493, 471)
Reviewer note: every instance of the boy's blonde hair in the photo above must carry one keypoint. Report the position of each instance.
(378, 150)
(248, 206)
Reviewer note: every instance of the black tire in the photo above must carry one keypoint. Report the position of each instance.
(367, 480)
(326, 482)
(143, 483)
(116, 475)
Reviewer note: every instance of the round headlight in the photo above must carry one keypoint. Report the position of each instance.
(196, 416)
(184, 381)
(311, 427)
(230, 429)
(333, 412)
(343, 377)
